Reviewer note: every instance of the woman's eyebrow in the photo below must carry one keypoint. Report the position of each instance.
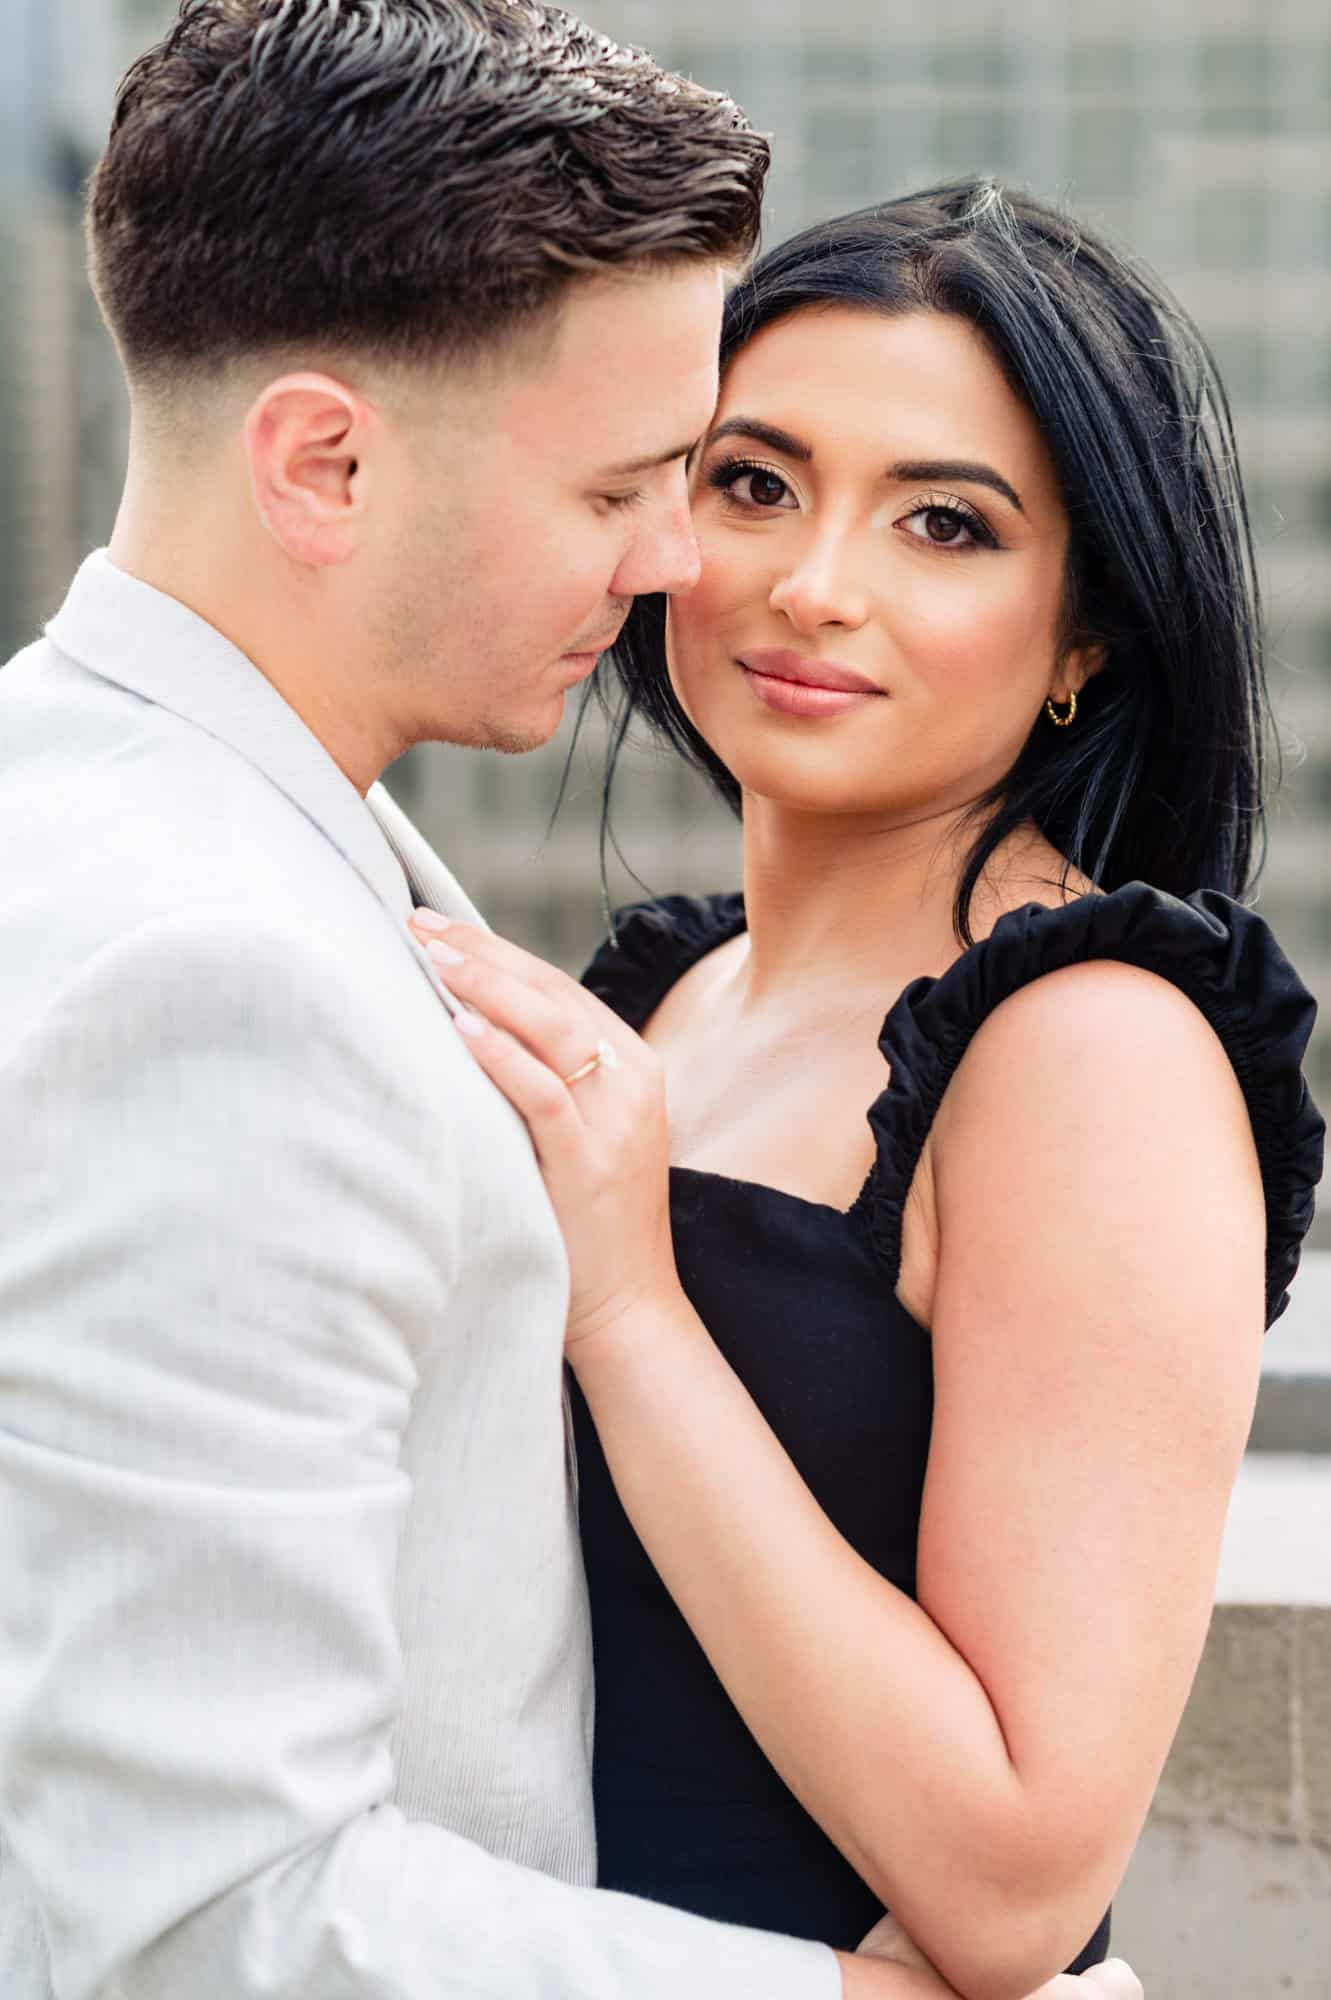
(908, 469)
(769, 434)
(794, 447)
(958, 469)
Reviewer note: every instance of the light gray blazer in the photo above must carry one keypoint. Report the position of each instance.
(295, 1686)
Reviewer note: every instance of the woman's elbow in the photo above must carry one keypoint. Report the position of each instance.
(1001, 1939)
(1012, 1957)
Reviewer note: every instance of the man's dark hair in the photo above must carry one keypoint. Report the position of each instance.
(414, 178)
(1161, 780)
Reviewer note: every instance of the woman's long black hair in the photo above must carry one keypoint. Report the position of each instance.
(1161, 778)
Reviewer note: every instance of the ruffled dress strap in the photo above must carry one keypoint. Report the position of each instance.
(651, 945)
(1221, 955)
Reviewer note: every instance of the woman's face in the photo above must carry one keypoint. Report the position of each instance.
(883, 548)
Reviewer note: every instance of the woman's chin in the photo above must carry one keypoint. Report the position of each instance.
(816, 794)
(804, 775)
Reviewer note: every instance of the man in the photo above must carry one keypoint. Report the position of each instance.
(418, 301)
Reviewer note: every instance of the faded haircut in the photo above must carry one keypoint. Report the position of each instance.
(414, 179)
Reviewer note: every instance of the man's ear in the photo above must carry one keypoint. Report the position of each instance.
(305, 438)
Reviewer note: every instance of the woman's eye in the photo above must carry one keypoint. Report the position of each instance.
(751, 485)
(765, 489)
(947, 528)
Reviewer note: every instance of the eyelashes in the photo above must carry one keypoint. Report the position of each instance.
(727, 471)
(950, 509)
(962, 526)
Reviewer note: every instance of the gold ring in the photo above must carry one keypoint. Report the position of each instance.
(604, 1057)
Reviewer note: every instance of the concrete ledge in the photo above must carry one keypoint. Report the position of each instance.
(1294, 1402)
(1277, 1547)
(1210, 1914)
(1229, 1892)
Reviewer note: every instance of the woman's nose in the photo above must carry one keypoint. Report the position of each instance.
(822, 588)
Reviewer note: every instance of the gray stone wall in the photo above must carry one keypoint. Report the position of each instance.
(1229, 1893)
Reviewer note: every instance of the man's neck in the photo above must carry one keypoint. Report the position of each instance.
(279, 627)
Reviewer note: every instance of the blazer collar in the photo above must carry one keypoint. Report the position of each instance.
(429, 881)
(157, 648)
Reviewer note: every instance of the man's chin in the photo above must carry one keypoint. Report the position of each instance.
(505, 735)
(513, 742)
(513, 745)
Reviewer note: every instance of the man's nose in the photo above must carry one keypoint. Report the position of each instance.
(664, 556)
(684, 560)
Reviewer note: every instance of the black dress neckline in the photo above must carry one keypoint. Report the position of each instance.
(1221, 954)
(720, 918)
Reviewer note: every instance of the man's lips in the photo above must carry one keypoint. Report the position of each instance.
(594, 648)
(587, 658)
(794, 684)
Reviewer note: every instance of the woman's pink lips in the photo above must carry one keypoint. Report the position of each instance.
(797, 685)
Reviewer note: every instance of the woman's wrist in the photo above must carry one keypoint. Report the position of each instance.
(638, 1335)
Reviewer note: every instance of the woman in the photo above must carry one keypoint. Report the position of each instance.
(931, 1434)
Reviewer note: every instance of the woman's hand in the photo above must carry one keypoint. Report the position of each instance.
(593, 1098)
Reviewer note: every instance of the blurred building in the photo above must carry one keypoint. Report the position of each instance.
(61, 402)
(1198, 131)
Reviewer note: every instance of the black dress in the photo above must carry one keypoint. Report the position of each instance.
(799, 1297)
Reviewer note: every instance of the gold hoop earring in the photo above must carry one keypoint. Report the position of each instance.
(1062, 721)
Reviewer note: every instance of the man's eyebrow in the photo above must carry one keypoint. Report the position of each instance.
(769, 434)
(961, 469)
(632, 465)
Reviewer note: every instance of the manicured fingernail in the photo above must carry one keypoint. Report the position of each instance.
(430, 920)
(443, 954)
(468, 1023)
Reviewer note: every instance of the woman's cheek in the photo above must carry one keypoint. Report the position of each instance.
(707, 626)
(673, 645)
(730, 573)
(684, 666)
(969, 641)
